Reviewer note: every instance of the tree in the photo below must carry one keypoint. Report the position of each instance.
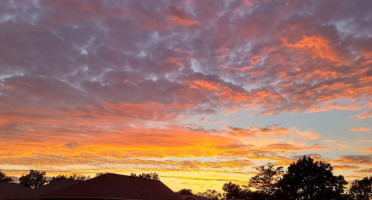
(232, 190)
(185, 192)
(4, 178)
(100, 174)
(361, 189)
(255, 195)
(151, 176)
(34, 179)
(211, 194)
(266, 179)
(74, 177)
(307, 180)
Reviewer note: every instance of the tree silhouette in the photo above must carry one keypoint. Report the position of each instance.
(361, 189)
(210, 194)
(185, 192)
(100, 174)
(74, 177)
(266, 179)
(308, 180)
(4, 178)
(152, 176)
(34, 179)
(232, 190)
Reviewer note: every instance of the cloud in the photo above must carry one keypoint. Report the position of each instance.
(366, 149)
(227, 53)
(274, 138)
(317, 45)
(306, 135)
(178, 16)
(360, 129)
(345, 167)
(289, 147)
(95, 82)
(253, 131)
(366, 114)
(365, 171)
(72, 144)
(357, 159)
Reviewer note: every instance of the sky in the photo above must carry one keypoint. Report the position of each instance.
(200, 92)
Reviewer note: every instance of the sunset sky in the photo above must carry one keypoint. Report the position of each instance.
(201, 92)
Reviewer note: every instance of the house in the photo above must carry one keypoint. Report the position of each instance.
(114, 186)
(14, 191)
(51, 187)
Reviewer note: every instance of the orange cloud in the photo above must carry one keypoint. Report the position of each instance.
(318, 45)
(179, 17)
(365, 171)
(290, 147)
(366, 149)
(357, 159)
(228, 94)
(206, 85)
(177, 20)
(360, 129)
(345, 167)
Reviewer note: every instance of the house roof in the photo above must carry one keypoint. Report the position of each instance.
(116, 186)
(14, 191)
(51, 187)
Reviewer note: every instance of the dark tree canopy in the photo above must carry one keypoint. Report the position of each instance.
(33, 179)
(72, 177)
(266, 179)
(232, 190)
(185, 192)
(308, 180)
(4, 178)
(100, 174)
(361, 189)
(211, 194)
(152, 176)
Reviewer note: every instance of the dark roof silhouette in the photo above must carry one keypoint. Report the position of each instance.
(51, 187)
(115, 186)
(14, 191)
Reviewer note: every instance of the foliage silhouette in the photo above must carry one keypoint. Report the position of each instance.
(361, 189)
(185, 192)
(72, 177)
(152, 176)
(211, 194)
(265, 181)
(4, 178)
(33, 179)
(308, 180)
(232, 190)
(100, 174)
